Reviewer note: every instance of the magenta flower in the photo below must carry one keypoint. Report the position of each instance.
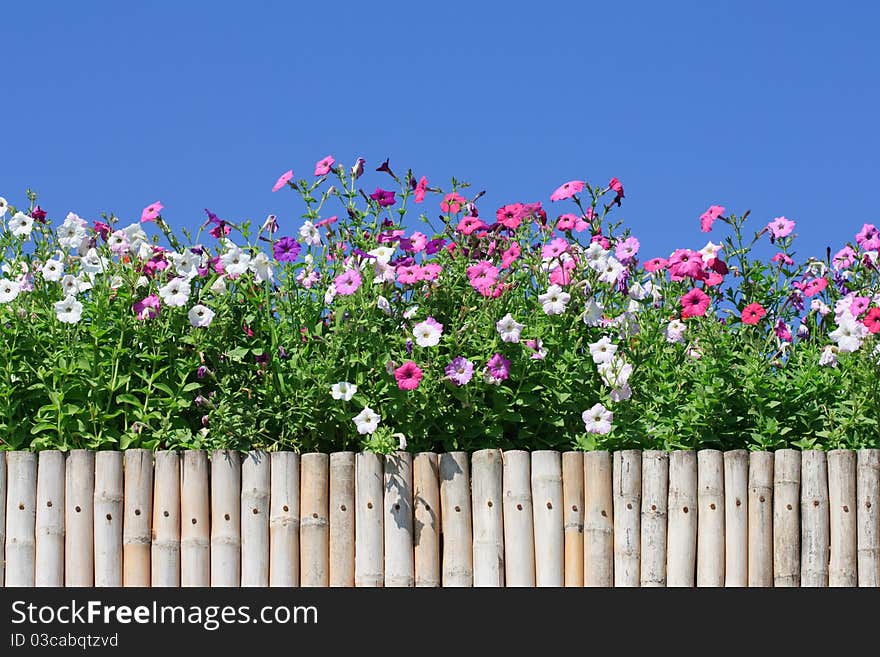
(815, 286)
(452, 203)
(283, 179)
(409, 274)
(383, 197)
(510, 255)
(322, 167)
(567, 190)
(783, 258)
(151, 212)
(286, 249)
(781, 331)
(431, 271)
(844, 258)
(655, 264)
(420, 189)
(408, 376)
(510, 215)
(460, 370)
(868, 237)
(780, 227)
(859, 305)
(39, 214)
(469, 224)
(347, 282)
(329, 221)
(617, 187)
(497, 369)
(709, 216)
(147, 308)
(683, 263)
(694, 303)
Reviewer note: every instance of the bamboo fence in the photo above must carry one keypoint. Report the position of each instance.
(706, 518)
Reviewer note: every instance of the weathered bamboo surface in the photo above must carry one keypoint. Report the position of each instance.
(492, 518)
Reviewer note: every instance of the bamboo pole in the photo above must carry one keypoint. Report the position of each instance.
(79, 513)
(710, 525)
(368, 517)
(842, 512)
(50, 519)
(284, 519)
(815, 528)
(627, 490)
(487, 498)
(518, 520)
(426, 530)
(165, 549)
(255, 477)
(761, 513)
(573, 517)
(195, 520)
(786, 518)
(868, 533)
(225, 518)
(398, 521)
(655, 491)
(598, 520)
(547, 512)
(681, 548)
(342, 524)
(21, 502)
(736, 518)
(2, 520)
(136, 517)
(314, 529)
(108, 518)
(455, 510)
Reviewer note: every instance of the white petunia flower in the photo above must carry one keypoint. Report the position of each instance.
(710, 251)
(8, 290)
(621, 394)
(262, 267)
(72, 285)
(4, 207)
(849, 333)
(383, 305)
(93, 263)
(118, 241)
(235, 261)
(135, 235)
(309, 234)
(819, 307)
(383, 254)
(595, 256)
(330, 294)
(410, 312)
(21, 225)
(385, 273)
(509, 329)
(675, 331)
(218, 287)
(200, 316)
(554, 300)
(598, 419)
(175, 292)
(615, 372)
(427, 333)
(72, 232)
(593, 313)
(343, 390)
(367, 421)
(603, 350)
(69, 310)
(611, 271)
(53, 270)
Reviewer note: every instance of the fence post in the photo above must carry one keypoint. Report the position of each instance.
(21, 502)
(314, 530)
(736, 518)
(814, 518)
(627, 476)
(786, 518)
(195, 520)
(166, 509)
(225, 518)
(598, 520)
(681, 551)
(455, 510)
(342, 519)
(655, 491)
(426, 530)
(710, 518)
(255, 478)
(108, 518)
(761, 519)
(50, 519)
(398, 521)
(486, 481)
(843, 508)
(868, 494)
(137, 504)
(519, 536)
(369, 530)
(79, 512)
(573, 517)
(284, 519)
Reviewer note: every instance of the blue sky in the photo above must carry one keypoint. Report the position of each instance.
(768, 106)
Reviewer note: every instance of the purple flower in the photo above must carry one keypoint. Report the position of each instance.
(358, 169)
(384, 167)
(409, 347)
(497, 369)
(282, 353)
(460, 370)
(782, 332)
(434, 245)
(261, 358)
(39, 214)
(202, 372)
(286, 249)
(362, 254)
(383, 197)
(213, 218)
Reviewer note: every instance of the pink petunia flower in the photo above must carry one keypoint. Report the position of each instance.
(615, 186)
(709, 216)
(452, 203)
(497, 369)
(151, 212)
(872, 320)
(859, 305)
(694, 303)
(322, 167)
(283, 179)
(814, 286)
(844, 258)
(561, 275)
(420, 189)
(868, 237)
(555, 248)
(752, 313)
(566, 222)
(430, 271)
(510, 255)
(347, 282)
(409, 274)
(408, 376)
(469, 224)
(783, 258)
(460, 370)
(567, 190)
(782, 331)
(510, 215)
(655, 264)
(685, 263)
(146, 308)
(780, 227)
(627, 249)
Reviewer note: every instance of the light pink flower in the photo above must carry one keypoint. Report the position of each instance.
(347, 282)
(322, 167)
(151, 212)
(554, 249)
(780, 227)
(283, 179)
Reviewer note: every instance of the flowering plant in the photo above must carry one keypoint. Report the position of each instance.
(361, 326)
